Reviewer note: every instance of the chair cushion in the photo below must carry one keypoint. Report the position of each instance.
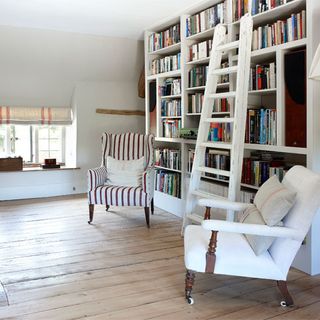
(234, 255)
(126, 173)
(259, 244)
(274, 201)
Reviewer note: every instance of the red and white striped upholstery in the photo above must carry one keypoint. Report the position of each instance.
(125, 146)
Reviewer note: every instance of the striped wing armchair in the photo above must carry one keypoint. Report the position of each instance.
(124, 146)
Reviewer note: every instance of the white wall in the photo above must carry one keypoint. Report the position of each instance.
(61, 69)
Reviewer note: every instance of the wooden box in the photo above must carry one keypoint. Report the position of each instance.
(11, 164)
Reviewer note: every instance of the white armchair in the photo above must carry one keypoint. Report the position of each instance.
(220, 247)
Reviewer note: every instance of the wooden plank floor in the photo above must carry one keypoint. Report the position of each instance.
(53, 265)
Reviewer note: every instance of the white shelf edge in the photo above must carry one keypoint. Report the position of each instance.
(262, 91)
(168, 169)
(202, 34)
(169, 49)
(174, 73)
(199, 61)
(174, 96)
(171, 117)
(272, 148)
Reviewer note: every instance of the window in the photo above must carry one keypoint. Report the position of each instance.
(33, 143)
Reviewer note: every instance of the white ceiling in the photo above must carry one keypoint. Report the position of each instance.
(122, 18)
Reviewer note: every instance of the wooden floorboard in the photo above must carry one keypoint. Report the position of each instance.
(53, 265)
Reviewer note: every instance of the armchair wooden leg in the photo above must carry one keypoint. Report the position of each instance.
(282, 286)
(91, 210)
(190, 275)
(107, 207)
(152, 206)
(147, 214)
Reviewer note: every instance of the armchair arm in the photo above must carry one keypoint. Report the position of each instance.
(148, 182)
(96, 177)
(223, 204)
(256, 229)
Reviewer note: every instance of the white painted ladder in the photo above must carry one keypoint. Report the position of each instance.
(237, 121)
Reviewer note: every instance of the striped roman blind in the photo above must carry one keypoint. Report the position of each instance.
(36, 115)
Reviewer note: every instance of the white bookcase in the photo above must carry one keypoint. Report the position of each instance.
(308, 258)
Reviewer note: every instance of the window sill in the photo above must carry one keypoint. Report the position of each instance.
(32, 169)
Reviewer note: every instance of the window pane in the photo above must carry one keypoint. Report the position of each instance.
(20, 141)
(43, 132)
(3, 141)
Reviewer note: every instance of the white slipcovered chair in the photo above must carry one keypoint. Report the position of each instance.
(220, 247)
(124, 146)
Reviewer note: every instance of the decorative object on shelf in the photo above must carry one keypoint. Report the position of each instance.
(11, 164)
(121, 112)
(189, 133)
(50, 164)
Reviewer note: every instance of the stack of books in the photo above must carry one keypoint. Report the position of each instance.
(293, 28)
(218, 159)
(171, 108)
(261, 126)
(206, 19)
(171, 86)
(168, 158)
(171, 128)
(163, 39)
(168, 183)
(263, 77)
(166, 64)
(200, 50)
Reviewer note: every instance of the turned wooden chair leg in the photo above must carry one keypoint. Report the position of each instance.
(190, 275)
(91, 210)
(152, 206)
(147, 214)
(107, 207)
(282, 286)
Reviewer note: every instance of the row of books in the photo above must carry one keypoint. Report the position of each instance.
(256, 171)
(166, 64)
(261, 126)
(218, 159)
(206, 19)
(200, 50)
(163, 39)
(263, 77)
(198, 76)
(240, 8)
(171, 86)
(168, 183)
(258, 6)
(171, 108)
(220, 132)
(294, 28)
(168, 158)
(171, 128)
(195, 102)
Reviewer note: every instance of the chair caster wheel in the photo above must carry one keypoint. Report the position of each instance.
(190, 301)
(283, 303)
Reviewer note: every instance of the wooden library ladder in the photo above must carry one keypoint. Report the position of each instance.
(237, 119)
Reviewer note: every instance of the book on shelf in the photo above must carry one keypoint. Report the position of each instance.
(261, 126)
(166, 64)
(169, 183)
(281, 31)
(163, 39)
(240, 8)
(168, 158)
(191, 153)
(200, 50)
(195, 102)
(261, 166)
(206, 19)
(263, 76)
(171, 108)
(259, 6)
(171, 128)
(171, 86)
(218, 159)
(220, 132)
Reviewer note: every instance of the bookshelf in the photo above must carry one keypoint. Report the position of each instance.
(193, 55)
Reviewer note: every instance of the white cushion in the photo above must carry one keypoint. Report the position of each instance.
(126, 173)
(259, 244)
(274, 201)
(234, 255)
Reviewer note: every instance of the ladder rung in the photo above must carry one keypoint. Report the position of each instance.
(217, 145)
(204, 194)
(229, 46)
(195, 217)
(229, 94)
(219, 120)
(228, 70)
(214, 171)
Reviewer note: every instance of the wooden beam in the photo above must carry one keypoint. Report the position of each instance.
(121, 112)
